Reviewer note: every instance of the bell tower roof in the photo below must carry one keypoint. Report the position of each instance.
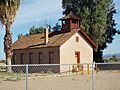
(70, 22)
(69, 16)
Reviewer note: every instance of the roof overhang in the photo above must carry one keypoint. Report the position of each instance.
(88, 38)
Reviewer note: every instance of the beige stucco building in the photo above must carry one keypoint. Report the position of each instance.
(71, 45)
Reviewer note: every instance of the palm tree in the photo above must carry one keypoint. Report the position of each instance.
(8, 10)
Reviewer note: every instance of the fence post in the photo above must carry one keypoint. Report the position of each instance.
(69, 69)
(88, 68)
(27, 77)
(93, 76)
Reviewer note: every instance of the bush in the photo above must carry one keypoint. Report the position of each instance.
(2, 61)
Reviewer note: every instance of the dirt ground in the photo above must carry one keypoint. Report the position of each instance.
(102, 81)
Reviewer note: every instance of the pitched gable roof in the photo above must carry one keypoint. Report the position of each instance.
(55, 39)
(88, 38)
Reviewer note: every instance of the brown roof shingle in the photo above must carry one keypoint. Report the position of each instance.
(37, 41)
(55, 39)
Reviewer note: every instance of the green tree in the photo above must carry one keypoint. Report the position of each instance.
(2, 61)
(8, 10)
(113, 59)
(96, 19)
(57, 27)
(19, 35)
(35, 30)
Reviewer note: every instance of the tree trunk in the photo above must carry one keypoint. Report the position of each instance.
(98, 56)
(8, 47)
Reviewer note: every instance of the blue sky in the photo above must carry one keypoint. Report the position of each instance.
(36, 12)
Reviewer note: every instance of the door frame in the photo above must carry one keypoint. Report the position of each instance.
(77, 54)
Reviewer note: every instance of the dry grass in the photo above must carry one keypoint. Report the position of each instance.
(4, 76)
(105, 80)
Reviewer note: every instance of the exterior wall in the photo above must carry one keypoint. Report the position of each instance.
(68, 49)
(61, 55)
(74, 25)
(35, 59)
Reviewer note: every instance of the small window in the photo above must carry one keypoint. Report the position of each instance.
(74, 21)
(63, 22)
(22, 58)
(14, 59)
(50, 57)
(40, 57)
(77, 39)
(30, 58)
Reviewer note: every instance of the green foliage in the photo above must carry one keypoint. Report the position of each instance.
(34, 30)
(57, 27)
(50, 72)
(118, 32)
(96, 19)
(8, 11)
(114, 59)
(2, 61)
(10, 2)
(19, 35)
(11, 76)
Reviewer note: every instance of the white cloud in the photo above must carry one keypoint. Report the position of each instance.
(38, 10)
(117, 15)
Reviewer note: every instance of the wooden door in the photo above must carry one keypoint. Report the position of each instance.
(77, 56)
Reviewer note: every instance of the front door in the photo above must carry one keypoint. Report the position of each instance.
(77, 57)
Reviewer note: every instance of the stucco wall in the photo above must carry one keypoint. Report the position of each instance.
(67, 51)
(35, 59)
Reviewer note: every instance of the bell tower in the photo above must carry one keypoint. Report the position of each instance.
(70, 22)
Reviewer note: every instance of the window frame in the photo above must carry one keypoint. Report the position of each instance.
(40, 57)
(51, 57)
(22, 57)
(30, 57)
(77, 39)
(77, 55)
(14, 58)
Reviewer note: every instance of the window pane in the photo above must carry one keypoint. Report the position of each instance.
(50, 57)
(77, 39)
(30, 58)
(40, 57)
(22, 58)
(14, 58)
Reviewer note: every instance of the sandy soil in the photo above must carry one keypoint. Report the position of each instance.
(102, 81)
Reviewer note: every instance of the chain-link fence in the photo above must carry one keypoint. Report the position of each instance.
(15, 80)
(94, 76)
(107, 77)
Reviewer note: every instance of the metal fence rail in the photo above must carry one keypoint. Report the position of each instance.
(87, 76)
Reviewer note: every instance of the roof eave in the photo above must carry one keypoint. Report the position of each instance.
(88, 39)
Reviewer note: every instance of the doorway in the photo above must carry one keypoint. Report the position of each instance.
(77, 57)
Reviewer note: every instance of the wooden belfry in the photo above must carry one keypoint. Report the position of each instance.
(70, 22)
